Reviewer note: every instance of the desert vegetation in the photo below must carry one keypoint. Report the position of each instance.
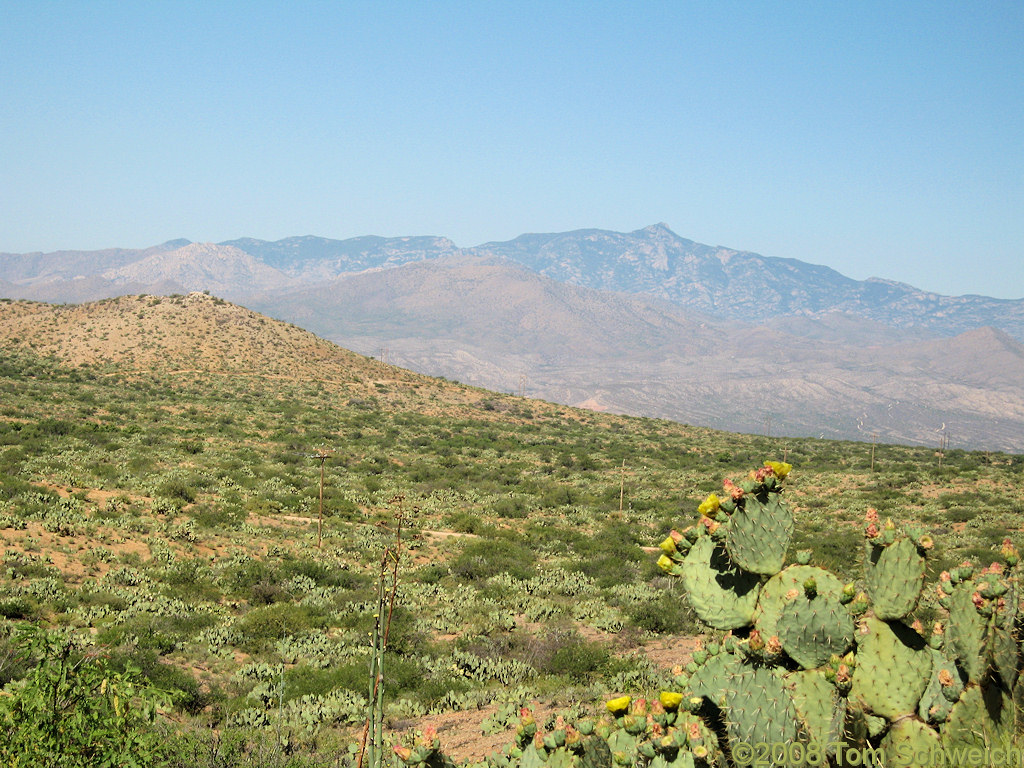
(160, 545)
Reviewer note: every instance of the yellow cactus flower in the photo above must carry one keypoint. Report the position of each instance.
(668, 546)
(710, 505)
(666, 564)
(619, 706)
(670, 701)
(780, 468)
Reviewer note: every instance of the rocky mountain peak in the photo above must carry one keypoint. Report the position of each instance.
(224, 270)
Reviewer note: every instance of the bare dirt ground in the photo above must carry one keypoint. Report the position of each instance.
(460, 731)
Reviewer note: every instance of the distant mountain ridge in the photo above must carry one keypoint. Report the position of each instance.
(745, 286)
(318, 258)
(491, 323)
(653, 261)
(644, 322)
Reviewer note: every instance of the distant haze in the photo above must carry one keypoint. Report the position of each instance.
(880, 139)
(643, 322)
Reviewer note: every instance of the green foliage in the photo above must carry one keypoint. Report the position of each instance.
(668, 614)
(808, 661)
(481, 560)
(613, 554)
(180, 588)
(261, 626)
(578, 659)
(72, 710)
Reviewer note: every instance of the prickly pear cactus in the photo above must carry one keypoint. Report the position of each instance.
(893, 668)
(893, 568)
(806, 659)
(786, 586)
(721, 594)
(813, 627)
(760, 525)
(850, 669)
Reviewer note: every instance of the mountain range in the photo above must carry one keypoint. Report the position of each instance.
(645, 322)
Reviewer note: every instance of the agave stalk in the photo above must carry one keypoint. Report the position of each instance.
(371, 747)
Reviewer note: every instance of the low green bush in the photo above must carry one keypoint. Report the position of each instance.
(74, 711)
(482, 559)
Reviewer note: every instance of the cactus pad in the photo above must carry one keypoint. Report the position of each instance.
(721, 594)
(812, 630)
(967, 633)
(759, 533)
(818, 705)
(944, 688)
(1006, 640)
(714, 675)
(773, 597)
(893, 668)
(984, 717)
(759, 708)
(596, 753)
(894, 576)
(906, 740)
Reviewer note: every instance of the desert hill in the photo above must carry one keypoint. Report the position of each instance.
(494, 324)
(195, 336)
(194, 332)
(643, 322)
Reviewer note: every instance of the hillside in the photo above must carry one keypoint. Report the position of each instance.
(159, 499)
(197, 336)
(495, 324)
(644, 323)
(196, 332)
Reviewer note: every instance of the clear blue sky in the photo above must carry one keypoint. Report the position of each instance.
(879, 138)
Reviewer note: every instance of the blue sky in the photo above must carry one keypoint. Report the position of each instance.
(879, 138)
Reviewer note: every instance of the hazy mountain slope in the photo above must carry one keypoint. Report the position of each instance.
(317, 258)
(224, 270)
(656, 261)
(741, 285)
(489, 304)
(91, 288)
(495, 325)
(846, 328)
(40, 268)
(821, 391)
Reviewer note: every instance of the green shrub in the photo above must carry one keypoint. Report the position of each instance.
(19, 607)
(221, 515)
(74, 711)
(403, 678)
(260, 627)
(482, 559)
(575, 658)
(465, 522)
(511, 508)
(183, 689)
(613, 555)
(669, 614)
(178, 489)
